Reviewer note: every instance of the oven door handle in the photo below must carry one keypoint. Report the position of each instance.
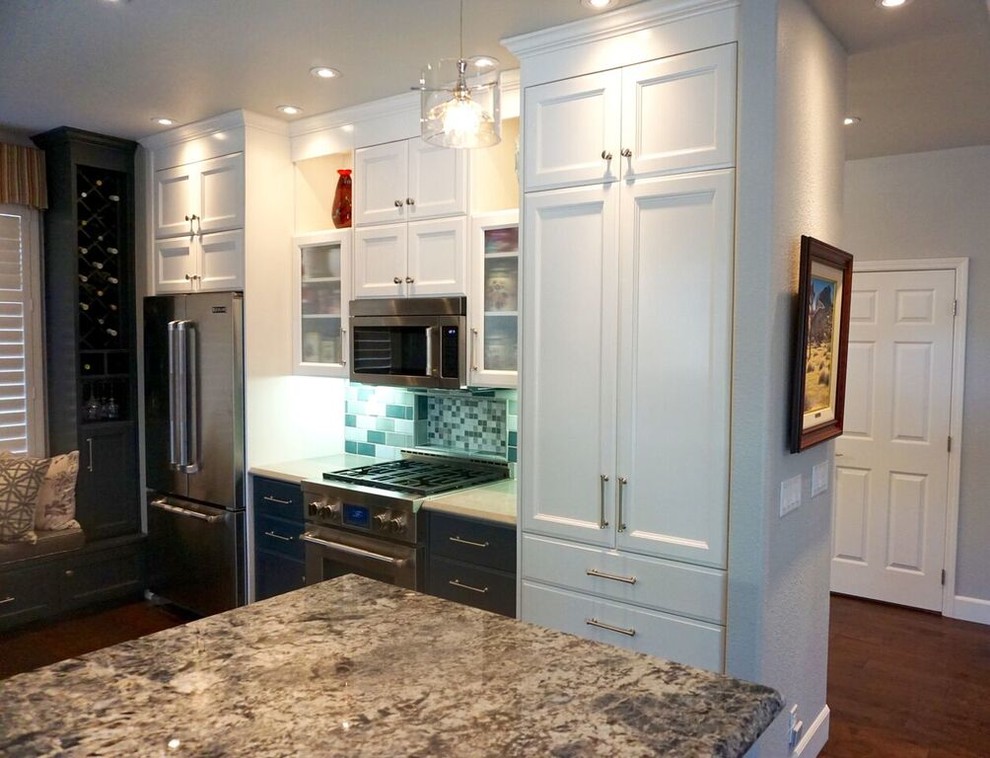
(347, 549)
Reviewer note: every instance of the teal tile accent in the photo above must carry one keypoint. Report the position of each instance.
(385, 424)
(513, 439)
(350, 446)
(513, 455)
(397, 411)
(364, 448)
(350, 419)
(376, 437)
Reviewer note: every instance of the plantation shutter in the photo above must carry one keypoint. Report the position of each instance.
(14, 302)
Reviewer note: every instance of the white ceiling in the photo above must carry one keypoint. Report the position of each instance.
(919, 77)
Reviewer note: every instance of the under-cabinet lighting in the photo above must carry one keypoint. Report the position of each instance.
(289, 110)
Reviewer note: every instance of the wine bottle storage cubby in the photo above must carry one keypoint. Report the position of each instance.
(100, 213)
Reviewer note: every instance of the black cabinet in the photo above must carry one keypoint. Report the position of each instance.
(473, 562)
(91, 370)
(279, 558)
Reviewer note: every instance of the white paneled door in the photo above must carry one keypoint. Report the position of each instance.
(892, 461)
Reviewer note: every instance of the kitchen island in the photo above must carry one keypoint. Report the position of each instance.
(354, 667)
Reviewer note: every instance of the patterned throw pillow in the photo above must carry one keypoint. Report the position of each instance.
(20, 480)
(57, 496)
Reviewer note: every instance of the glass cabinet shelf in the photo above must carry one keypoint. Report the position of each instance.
(495, 296)
(321, 293)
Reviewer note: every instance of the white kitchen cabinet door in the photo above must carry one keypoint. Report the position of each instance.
(379, 184)
(570, 295)
(678, 113)
(438, 181)
(200, 197)
(176, 264)
(221, 264)
(437, 257)
(571, 131)
(674, 366)
(320, 295)
(380, 261)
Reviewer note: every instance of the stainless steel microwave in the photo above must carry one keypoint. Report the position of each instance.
(409, 342)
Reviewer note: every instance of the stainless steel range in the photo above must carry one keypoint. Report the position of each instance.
(365, 520)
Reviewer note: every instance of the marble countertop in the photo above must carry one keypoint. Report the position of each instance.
(492, 502)
(358, 668)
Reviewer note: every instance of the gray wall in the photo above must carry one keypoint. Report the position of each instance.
(792, 93)
(937, 205)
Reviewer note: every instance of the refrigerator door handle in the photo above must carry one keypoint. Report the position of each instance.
(192, 388)
(179, 511)
(184, 401)
(176, 398)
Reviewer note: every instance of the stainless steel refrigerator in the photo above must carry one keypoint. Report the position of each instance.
(194, 446)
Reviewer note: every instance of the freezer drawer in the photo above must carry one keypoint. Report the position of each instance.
(196, 554)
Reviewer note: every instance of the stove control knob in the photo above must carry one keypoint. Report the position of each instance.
(333, 508)
(316, 507)
(397, 524)
(381, 521)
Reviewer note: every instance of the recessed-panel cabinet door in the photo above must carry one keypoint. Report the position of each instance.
(571, 127)
(674, 367)
(222, 265)
(437, 261)
(176, 264)
(568, 385)
(175, 201)
(678, 113)
(380, 261)
(379, 186)
(437, 181)
(221, 193)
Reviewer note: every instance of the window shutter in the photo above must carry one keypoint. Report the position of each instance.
(14, 302)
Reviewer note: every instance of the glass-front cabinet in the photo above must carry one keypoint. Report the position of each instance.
(494, 299)
(321, 291)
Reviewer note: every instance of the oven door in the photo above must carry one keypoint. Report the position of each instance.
(331, 553)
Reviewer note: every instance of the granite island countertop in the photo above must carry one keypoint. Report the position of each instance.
(352, 667)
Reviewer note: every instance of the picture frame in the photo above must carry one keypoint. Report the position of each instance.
(818, 387)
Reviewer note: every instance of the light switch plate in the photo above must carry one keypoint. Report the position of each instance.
(790, 494)
(819, 478)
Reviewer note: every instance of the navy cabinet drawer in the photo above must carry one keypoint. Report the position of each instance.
(278, 535)
(479, 542)
(276, 574)
(479, 587)
(28, 593)
(279, 499)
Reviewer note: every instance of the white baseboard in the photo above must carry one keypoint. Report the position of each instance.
(970, 609)
(815, 736)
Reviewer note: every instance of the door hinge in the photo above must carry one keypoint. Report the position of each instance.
(943, 577)
(948, 444)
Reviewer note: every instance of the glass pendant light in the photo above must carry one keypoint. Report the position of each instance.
(460, 100)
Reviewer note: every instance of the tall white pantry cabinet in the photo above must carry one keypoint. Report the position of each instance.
(629, 151)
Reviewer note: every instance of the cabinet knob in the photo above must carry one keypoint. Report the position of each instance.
(69, 573)
(409, 280)
(606, 155)
(398, 203)
(626, 152)
(410, 201)
(397, 280)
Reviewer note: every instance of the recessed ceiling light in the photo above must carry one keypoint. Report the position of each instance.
(891, 3)
(850, 120)
(596, 4)
(289, 110)
(324, 72)
(163, 120)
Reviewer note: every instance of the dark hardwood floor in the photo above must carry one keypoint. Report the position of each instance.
(906, 683)
(901, 683)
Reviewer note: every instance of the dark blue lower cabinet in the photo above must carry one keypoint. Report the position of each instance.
(279, 557)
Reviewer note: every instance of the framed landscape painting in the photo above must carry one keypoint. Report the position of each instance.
(818, 388)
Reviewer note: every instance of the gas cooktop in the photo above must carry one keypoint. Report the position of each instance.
(420, 476)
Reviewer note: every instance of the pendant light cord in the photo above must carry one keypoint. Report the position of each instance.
(461, 56)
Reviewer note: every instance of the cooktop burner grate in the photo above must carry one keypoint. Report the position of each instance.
(419, 477)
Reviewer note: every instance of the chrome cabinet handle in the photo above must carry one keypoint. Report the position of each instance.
(343, 347)
(610, 628)
(618, 514)
(190, 218)
(199, 225)
(410, 201)
(614, 577)
(626, 153)
(280, 501)
(397, 280)
(602, 523)
(474, 349)
(606, 155)
(89, 450)
(457, 583)
(278, 536)
(398, 203)
(7, 599)
(460, 541)
(165, 506)
(409, 280)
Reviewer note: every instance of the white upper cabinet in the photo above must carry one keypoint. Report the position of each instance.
(320, 295)
(408, 180)
(669, 115)
(195, 263)
(198, 198)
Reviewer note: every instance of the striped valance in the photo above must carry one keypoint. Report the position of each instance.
(22, 176)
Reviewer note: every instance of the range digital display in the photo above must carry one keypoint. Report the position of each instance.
(357, 515)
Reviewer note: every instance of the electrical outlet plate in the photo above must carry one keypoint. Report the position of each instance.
(790, 494)
(819, 478)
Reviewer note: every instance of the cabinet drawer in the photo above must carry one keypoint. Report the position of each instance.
(27, 594)
(471, 541)
(675, 638)
(91, 577)
(279, 499)
(275, 574)
(472, 585)
(278, 535)
(680, 588)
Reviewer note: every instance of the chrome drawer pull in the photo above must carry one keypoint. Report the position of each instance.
(278, 536)
(456, 583)
(7, 599)
(460, 541)
(280, 501)
(617, 578)
(610, 628)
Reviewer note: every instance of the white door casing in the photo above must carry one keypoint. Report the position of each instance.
(894, 479)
